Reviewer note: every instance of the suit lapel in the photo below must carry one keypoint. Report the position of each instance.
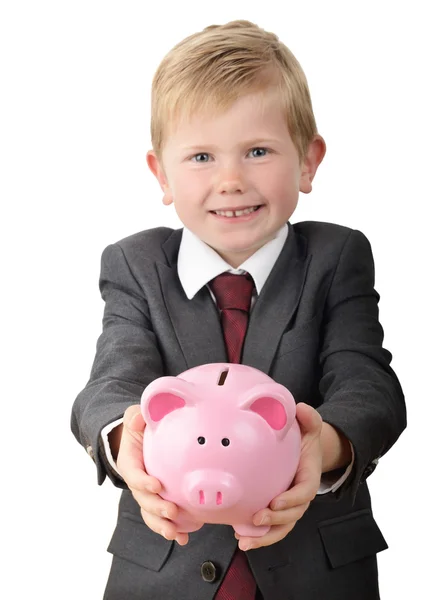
(196, 322)
(277, 303)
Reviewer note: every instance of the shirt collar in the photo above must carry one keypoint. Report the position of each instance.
(198, 263)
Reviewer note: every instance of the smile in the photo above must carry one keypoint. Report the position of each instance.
(236, 213)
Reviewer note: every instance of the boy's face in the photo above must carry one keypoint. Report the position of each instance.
(240, 160)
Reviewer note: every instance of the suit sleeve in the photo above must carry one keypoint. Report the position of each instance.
(362, 396)
(127, 359)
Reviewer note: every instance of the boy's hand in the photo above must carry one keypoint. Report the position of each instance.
(297, 499)
(155, 511)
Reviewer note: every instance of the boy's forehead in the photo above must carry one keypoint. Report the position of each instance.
(253, 115)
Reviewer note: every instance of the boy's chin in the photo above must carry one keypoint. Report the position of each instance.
(236, 254)
(232, 246)
(241, 244)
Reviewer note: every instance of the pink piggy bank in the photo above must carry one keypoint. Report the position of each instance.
(223, 441)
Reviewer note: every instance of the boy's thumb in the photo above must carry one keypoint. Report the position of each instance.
(133, 418)
(309, 419)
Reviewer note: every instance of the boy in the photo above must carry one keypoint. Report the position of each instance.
(234, 142)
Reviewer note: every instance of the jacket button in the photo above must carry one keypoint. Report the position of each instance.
(208, 571)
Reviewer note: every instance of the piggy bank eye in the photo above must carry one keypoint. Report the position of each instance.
(225, 441)
(201, 440)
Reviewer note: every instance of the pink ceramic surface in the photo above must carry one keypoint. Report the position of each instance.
(223, 440)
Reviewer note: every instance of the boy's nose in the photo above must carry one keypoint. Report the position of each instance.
(230, 181)
(231, 186)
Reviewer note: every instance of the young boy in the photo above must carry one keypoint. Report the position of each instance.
(234, 142)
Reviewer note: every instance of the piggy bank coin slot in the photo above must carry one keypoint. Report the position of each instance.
(223, 376)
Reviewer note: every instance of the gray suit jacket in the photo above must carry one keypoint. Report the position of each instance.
(315, 329)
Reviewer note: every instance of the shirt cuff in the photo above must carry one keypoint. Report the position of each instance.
(106, 446)
(328, 483)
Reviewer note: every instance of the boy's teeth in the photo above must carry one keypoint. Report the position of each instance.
(235, 213)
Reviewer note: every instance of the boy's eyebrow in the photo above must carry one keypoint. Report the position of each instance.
(252, 142)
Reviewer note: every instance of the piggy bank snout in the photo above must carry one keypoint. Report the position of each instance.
(207, 488)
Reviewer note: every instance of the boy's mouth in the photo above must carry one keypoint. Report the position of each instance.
(237, 212)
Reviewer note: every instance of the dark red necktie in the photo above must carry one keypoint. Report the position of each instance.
(233, 294)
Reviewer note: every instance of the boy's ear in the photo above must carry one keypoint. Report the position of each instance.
(156, 168)
(315, 154)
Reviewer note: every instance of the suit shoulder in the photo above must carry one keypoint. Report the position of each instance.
(147, 244)
(322, 234)
(321, 229)
(327, 242)
(148, 237)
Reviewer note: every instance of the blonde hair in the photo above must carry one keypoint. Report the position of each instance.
(211, 69)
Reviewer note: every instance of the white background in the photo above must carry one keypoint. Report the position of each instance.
(74, 131)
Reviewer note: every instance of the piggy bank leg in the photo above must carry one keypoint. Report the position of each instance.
(246, 530)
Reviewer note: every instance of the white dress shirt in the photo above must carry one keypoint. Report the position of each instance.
(197, 264)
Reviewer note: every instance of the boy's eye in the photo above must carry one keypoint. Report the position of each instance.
(259, 152)
(204, 156)
(201, 157)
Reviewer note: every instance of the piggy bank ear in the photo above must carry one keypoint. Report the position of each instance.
(163, 396)
(274, 403)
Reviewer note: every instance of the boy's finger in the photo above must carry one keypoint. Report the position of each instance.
(182, 538)
(280, 517)
(130, 467)
(155, 505)
(161, 526)
(309, 419)
(137, 479)
(133, 419)
(276, 533)
(130, 455)
(300, 494)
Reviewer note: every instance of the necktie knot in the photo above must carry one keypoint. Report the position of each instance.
(233, 291)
